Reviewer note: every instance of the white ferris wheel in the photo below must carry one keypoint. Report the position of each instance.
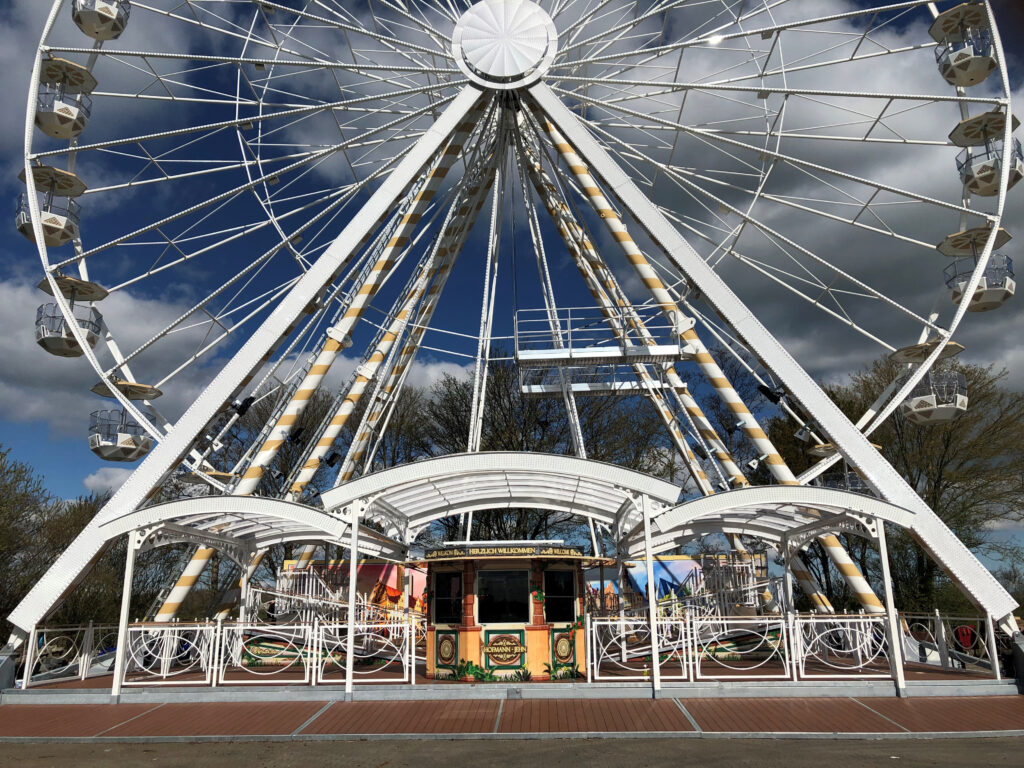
(613, 192)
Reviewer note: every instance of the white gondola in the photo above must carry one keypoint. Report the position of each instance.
(965, 54)
(54, 335)
(845, 481)
(59, 220)
(939, 398)
(995, 289)
(116, 436)
(63, 104)
(101, 19)
(980, 168)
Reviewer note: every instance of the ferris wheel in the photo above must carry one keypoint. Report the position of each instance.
(614, 192)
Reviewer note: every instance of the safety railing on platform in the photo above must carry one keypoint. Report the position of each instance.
(388, 646)
(619, 649)
(260, 654)
(953, 642)
(171, 654)
(53, 654)
(382, 653)
(834, 646)
(700, 647)
(740, 647)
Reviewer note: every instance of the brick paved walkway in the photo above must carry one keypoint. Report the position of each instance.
(497, 717)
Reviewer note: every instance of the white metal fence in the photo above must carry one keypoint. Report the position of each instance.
(53, 654)
(387, 647)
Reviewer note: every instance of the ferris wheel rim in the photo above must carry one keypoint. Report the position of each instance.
(108, 373)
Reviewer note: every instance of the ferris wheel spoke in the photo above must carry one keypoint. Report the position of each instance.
(789, 159)
(257, 307)
(229, 194)
(720, 35)
(786, 245)
(627, 86)
(343, 105)
(337, 21)
(311, 63)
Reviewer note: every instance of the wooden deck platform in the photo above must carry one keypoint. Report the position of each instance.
(514, 718)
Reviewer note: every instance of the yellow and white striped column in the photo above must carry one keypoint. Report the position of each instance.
(332, 347)
(364, 375)
(187, 580)
(230, 596)
(451, 244)
(712, 372)
(365, 293)
(591, 267)
(572, 232)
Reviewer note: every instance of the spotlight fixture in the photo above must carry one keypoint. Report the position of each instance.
(804, 433)
(772, 394)
(755, 463)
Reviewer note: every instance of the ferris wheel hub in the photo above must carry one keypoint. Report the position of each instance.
(504, 44)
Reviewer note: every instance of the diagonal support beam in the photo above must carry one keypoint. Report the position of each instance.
(929, 530)
(74, 562)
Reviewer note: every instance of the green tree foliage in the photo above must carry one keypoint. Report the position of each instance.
(36, 527)
(971, 472)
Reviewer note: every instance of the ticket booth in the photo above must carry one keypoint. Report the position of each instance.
(505, 612)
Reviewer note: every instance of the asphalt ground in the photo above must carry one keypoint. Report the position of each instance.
(570, 753)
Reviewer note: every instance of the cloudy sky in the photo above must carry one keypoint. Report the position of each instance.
(677, 148)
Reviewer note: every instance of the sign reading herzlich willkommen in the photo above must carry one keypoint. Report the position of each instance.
(462, 552)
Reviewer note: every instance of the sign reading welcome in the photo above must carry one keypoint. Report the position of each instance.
(519, 550)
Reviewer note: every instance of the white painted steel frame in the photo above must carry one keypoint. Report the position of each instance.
(161, 461)
(929, 530)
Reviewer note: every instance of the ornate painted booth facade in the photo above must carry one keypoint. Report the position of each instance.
(507, 611)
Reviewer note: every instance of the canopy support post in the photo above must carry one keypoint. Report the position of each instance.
(652, 599)
(121, 654)
(895, 634)
(353, 562)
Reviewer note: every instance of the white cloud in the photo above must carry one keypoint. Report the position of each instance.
(106, 479)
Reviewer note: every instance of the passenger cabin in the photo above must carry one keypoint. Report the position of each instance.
(54, 335)
(63, 104)
(965, 53)
(101, 19)
(115, 436)
(52, 331)
(939, 398)
(996, 287)
(59, 213)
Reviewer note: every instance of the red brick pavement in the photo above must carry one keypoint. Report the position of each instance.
(837, 715)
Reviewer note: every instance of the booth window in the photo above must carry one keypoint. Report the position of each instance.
(447, 597)
(504, 597)
(559, 596)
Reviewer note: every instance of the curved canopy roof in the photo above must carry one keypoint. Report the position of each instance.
(411, 495)
(239, 525)
(771, 513)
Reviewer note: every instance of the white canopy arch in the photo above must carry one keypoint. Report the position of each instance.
(410, 496)
(772, 512)
(245, 524)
